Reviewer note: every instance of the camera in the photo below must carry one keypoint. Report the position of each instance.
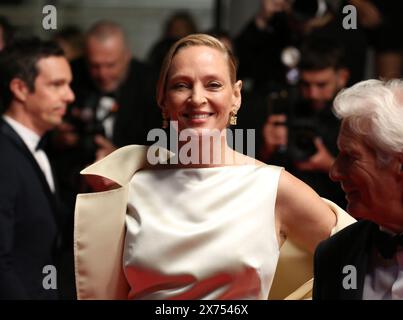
(87, 127)
(302, 127)
(301, 136)
(88, 145)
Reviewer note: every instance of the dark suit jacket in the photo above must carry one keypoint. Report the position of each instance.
(29, 221)
(136, 115)
(349, 247)
(138, 111)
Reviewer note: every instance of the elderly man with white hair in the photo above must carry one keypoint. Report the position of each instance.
(365, 260)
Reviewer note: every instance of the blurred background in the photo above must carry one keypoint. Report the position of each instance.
(145, 20)
(294, 57)
(142, 19)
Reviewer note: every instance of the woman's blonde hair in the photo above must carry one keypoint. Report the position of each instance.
(191, 41)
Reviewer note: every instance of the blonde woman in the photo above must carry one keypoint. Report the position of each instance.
(193, 229)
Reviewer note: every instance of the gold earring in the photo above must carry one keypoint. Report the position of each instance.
(233, 118)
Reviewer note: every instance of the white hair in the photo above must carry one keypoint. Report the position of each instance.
(374, 109)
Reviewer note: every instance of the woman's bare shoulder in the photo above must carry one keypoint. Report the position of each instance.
(302, 214)
(241, 159)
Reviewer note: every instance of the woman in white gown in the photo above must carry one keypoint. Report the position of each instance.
(195, 229)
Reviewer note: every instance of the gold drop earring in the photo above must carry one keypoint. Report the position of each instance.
(233, 118)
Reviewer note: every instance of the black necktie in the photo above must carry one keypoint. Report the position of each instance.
(386, 243)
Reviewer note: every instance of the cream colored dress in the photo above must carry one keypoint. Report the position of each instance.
(202, 233)
(100, 233)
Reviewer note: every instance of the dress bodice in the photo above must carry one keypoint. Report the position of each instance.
(202, 233)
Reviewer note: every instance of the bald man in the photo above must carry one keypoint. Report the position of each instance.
(108, 56)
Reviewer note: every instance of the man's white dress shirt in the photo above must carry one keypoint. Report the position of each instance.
(31, 139)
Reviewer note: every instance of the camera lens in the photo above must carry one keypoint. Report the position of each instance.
(301, 142)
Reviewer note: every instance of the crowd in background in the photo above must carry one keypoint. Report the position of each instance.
(293, 60)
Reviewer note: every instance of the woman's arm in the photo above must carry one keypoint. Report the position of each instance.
(301, 215)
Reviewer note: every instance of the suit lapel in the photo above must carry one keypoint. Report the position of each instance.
(358, 257)
(9, 132)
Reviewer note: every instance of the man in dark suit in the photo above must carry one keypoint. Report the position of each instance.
(34, 79)
(115, 105)
(365, 260)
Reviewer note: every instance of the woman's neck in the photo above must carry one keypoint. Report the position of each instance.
(207, 151)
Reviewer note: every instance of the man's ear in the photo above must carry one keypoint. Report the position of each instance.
(343, 77)
(19, 89)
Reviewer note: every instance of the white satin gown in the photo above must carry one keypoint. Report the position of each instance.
(202, 233)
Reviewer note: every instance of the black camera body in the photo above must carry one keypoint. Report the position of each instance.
(88, 145)
(301, 135)
(301, 122)
(87, 127)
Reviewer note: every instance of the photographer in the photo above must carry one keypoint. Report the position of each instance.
(301, 135)
(259, 46)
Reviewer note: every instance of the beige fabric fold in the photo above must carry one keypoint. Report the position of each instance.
(295, 266)
(99, 228)
(120, 165)
(98, 245)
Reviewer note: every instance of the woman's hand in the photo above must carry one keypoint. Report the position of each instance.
(322, 160)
